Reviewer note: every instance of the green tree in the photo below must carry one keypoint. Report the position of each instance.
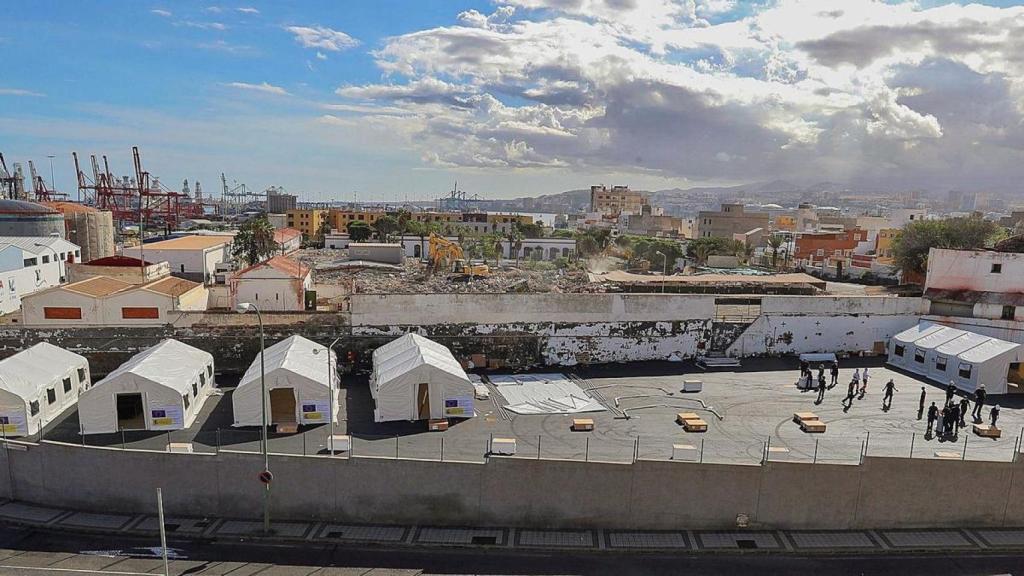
(490, 247)
(532, 230)
(775, 243)
(515, 242)
(322, 232)
(359, 231)
(385, 226)
(700, 249)
(911, 245)
(254, 241)
(592, 241)
(644, 248)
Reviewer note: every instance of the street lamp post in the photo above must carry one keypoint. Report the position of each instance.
(242, 308)
(331, 371)
(664, 273)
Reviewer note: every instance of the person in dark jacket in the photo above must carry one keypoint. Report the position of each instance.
(979, 402)
(933, 415)
(950, 392)
(994, 415)
(889, 388)
(821, 389)
(835, 373)
(964, 405)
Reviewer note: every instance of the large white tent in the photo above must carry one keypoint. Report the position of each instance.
(967, 359)
(417, 379)
(37, 385)
(298, 389)
(160, 388)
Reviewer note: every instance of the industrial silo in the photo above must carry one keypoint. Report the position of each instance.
(23, 218)
(89, 228)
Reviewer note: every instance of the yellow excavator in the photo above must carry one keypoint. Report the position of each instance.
(447, 255)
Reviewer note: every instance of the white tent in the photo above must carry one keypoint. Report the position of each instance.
(416, 379)
(298, 388)
(965, 358)
(37, 385)
(160, 388)
(901, 348)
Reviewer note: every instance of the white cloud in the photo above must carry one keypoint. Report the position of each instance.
(261, 87)
(248, 10)
(228, 48)
(322, 37)
(213, 9)
(203, 25)
(160, 12)
(320, 55)
(20, 92)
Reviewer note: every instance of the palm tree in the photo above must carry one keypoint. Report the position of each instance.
(775, 242)
(702, 251)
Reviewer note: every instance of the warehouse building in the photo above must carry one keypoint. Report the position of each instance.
(161, 388)
(29, 264)
(37, 385)
(192, 257)
(299, 391)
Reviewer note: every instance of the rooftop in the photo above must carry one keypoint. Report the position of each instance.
(196, 242)
(97, 286)
(283, 264)
(171, 286)
(8, 206)
(285, 234)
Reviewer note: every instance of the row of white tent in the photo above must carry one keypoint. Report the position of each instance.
(949, 355)
(165, 387)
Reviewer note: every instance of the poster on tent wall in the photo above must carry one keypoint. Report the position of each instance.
(13, 425)
(166, 418)
(315, 412)
(458, 407)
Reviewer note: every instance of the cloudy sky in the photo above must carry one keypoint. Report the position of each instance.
(397, 99)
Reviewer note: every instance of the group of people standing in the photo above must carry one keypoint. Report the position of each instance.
(947, 421)
(858, 383)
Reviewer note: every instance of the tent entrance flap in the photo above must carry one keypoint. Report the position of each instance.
(282, 405)
(423, 400)
(130, 414)
(1015, 377)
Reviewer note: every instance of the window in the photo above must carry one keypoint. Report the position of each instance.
(202, 379)
(919, 356)
(62, 313)
(195, 389)
(965, 370)
(209, 370)
(46, 258)
(51, 395)
(185, 400)
(67, 385)
(1009, 312)
(81, 375)
(31, 262)
(33, 407)
(997, 268)
(137, 313)
(940, 363)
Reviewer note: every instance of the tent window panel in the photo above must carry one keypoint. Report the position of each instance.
(81, 375)
(67, 385)
(202, 379)
(899, 350)
(195, 390)
(185, 399)
(919, 356)
(940, 363)
(209, 370)
(51, 395)
(965, 370)
(33, 407)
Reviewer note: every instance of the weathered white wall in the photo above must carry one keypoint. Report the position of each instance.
(972, 270)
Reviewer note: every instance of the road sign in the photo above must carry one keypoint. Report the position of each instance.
(266, 477)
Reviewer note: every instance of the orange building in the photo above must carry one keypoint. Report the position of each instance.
(816, 247)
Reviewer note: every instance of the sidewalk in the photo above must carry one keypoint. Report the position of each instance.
(798, 542)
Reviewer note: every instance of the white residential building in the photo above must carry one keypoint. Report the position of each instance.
(279, 284)
(192, 257)
(30, 264)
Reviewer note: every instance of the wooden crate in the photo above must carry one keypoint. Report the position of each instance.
(437, 425)
(799, 417)
(582, 424)
(987, 431)
(695, 425)
(180, 447)
(506, 446)
(682, 417)
(812, 426)
(287, 427)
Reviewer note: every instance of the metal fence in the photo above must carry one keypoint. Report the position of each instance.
(806, 448)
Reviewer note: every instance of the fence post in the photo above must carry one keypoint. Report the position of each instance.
(303, 444)
(867, 442)
(586, 453)
(912, 438)
(168, 440)
(964, 455)
(122, 438)
(767, 450)
(538, 446)
(442, 448)
(218, 441)
(396, 446)
(815, 459)
(700, 458)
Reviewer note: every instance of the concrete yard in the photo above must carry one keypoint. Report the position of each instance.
(756, 403)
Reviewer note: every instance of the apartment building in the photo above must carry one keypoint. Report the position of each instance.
(616, 200)
(307, 220)
(29, 264)
(730, 220)
(817, 246)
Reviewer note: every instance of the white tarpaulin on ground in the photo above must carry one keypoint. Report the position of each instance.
(967, 359)
(415, 379)
(297, 364)
(543, 394)
(28, 382)
(164, 388)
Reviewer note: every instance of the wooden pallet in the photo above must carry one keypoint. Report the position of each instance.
(987, 431)
(812, 426)
(582, 424)
(682, 417)
(695, 425)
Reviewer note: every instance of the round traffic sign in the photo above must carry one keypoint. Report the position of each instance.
(266, 477)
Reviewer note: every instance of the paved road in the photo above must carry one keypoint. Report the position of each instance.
(33, 553)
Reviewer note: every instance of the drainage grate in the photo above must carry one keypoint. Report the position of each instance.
(171, 527)
(485, 540)
(335, 534)
(746, 544)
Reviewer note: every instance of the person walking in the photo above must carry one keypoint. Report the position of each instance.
(954, 418)
(851, 391)
(856, 376)
(994, 415)
(979, 402)
(920, 403)
(933, 414)
(864, 382)
(890, 387)
(805, 368)
(821, 388)
(835, 372)
(964, 405)
(940, 424)
(950, 392)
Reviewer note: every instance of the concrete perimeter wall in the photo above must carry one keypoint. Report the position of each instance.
(880, 493)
